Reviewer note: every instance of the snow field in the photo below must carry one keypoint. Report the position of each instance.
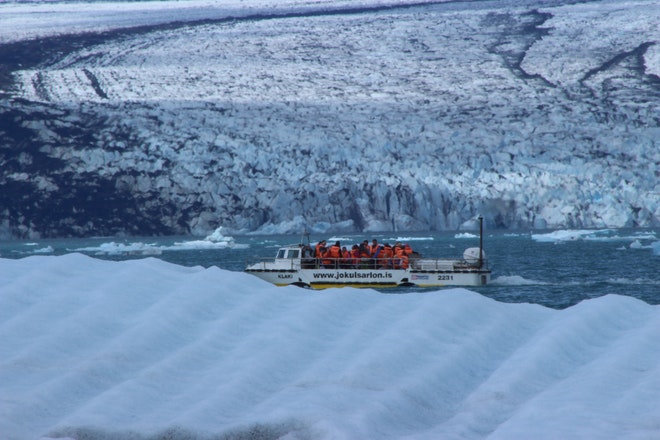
(144, 346)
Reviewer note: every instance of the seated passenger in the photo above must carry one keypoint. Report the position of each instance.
(355, 256)
(307, 257)
(332, 256)
(398, 255)
(375, 253)
(386, 257)
(318, 249)
(403, 261)
(345, 262)
(365, 255)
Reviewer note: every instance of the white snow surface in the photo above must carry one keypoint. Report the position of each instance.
(21, 20)
(133, 349)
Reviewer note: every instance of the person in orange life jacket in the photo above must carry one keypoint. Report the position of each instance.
(345, 262)
(365, 249)
(403, 261)
(326, 261)
(386, 256)
(332, 256)
(375, 252)
(319, 250)
(407, 249)
(365, 254)
(355, 255)
(375, 247)
(398, 253)
(335, 250)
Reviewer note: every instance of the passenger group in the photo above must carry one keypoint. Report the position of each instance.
(360, 256)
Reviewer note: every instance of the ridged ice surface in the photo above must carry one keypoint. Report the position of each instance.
(145, 348)
(343, 116)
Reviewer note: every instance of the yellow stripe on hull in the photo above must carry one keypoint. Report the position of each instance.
(357, 285)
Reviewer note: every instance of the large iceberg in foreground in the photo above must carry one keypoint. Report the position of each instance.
(100, 349)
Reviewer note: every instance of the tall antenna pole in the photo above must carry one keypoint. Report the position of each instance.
(305, 234)
(481, 241)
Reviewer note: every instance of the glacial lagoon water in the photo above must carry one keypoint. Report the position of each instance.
(553, 268)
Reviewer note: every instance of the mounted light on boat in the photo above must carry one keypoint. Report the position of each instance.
(471, 256)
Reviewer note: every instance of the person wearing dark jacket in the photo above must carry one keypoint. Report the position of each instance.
(375, 253)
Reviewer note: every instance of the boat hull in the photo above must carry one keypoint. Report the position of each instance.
(375, 278)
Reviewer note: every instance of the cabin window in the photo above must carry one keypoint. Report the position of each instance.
(280, 253)
(294, 253)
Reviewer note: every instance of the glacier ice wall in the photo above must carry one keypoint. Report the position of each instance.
(371, 118)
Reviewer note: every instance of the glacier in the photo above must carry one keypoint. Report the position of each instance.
(155, 118)
(145, 349)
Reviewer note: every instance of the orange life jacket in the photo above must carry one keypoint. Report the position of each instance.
(345, 257)
(334, 251)
(328, 260)
(385, 257)
(365, 251)
(355, 256)
(376, 251)
(403, 261)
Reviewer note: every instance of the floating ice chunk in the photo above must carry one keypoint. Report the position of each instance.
(215, 240)
(515, 280)
(567, 235)
(636, 245)
(406, 239)
(217, 237)
(113, 248)
(656, 248)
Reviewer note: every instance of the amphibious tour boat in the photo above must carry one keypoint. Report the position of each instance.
(295, 265)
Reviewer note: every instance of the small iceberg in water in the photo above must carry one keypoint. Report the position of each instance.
(45, 250)
(218, 237)
(114, 248)
(656, 247)
(216, 240)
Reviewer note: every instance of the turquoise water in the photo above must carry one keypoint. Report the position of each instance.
(552, 268)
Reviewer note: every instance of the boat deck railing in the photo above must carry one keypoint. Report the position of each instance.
(422, 264)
